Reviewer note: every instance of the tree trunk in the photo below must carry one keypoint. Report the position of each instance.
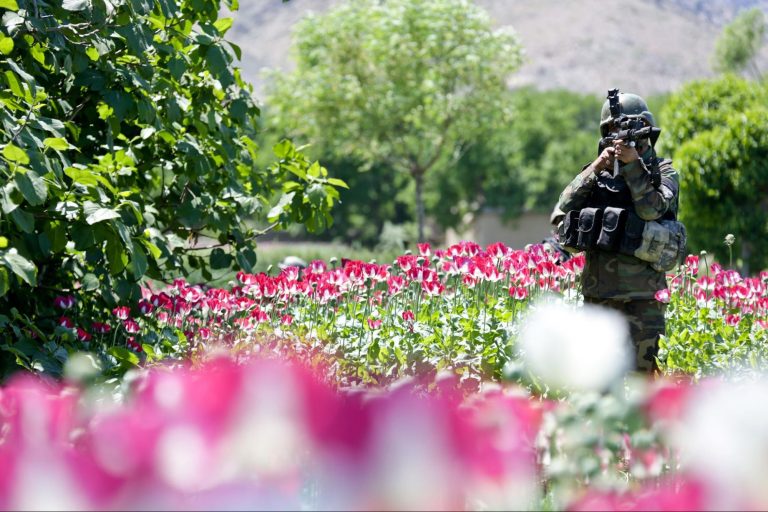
(746, 254)
(418, 175)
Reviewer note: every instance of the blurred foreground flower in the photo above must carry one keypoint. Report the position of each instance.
(264, 434)
(580, 349)
(723, 437)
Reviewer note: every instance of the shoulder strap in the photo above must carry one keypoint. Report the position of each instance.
(655, 172)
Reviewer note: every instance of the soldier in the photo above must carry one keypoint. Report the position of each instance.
(646, 187)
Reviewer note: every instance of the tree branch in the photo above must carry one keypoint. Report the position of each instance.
(223, 244)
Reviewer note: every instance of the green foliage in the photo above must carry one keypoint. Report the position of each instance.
(740, 42)
(718, 131)
(407, 84)
(525, 164)
(554, 135)
(126, 133)
(375, 196)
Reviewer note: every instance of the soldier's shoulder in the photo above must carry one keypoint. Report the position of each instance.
(665, 166)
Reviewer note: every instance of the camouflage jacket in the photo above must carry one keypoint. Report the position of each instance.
(610, 275)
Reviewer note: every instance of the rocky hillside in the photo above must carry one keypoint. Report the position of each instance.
(647, 46)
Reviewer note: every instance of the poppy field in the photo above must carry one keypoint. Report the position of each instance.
(464, 378)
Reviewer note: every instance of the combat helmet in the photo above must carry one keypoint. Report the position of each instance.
(632, 106)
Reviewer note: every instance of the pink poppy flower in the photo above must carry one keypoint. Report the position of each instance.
(131, 326)
(122, 312)
(145, 307)
(64, 302)
(67, 322)
(101, 328)
(518, 292)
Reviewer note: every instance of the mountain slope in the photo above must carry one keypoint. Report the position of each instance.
(646, 46)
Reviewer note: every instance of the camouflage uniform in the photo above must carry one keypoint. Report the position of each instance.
(618, 281)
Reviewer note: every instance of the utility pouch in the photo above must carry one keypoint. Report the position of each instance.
(590, 220)
(612, 228)
(632, 238)
(655, 238)
(568, 231)
(676, 248)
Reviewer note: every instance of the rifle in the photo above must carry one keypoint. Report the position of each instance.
(629, 130)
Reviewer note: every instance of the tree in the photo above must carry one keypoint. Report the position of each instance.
(126, 134)
(740, 42)
(410, 84)
(524, 165)
(718, 133)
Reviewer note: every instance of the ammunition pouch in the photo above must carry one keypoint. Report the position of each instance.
(633, 234)
(612, 228)
(590, 220)
(568, 230)
(662, 244)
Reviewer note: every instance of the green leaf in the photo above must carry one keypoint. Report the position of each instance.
(152, 355)
(218, 63)
(32, 187)
(281, 206)
(45, 244)
(220, 259)
(124, 356)
(246, 259)
(9, 199)
(57, 143)
(337, 183)
(11, 5)
(13, 84)
(154, 250)
(101, 215)
(223, 24)
(105, 111)
(92, 53)
(24, 220)
(235, 48)
(316, 194)
(83, 237)
(21, 266)
(90, 282)
(38, 53)
(75, 5)
(89, 178)
(116, 256)
(4, 282)
(6, 45)
(284, 149)
(14, 153)
(57, 235)
(138, 265)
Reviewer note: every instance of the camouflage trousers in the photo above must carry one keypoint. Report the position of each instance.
(646, 324)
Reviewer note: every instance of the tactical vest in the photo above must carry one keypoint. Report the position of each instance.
(609, 223)
(613, 191)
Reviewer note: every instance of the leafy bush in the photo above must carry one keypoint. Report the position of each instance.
(126, 133)
(716, 132)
